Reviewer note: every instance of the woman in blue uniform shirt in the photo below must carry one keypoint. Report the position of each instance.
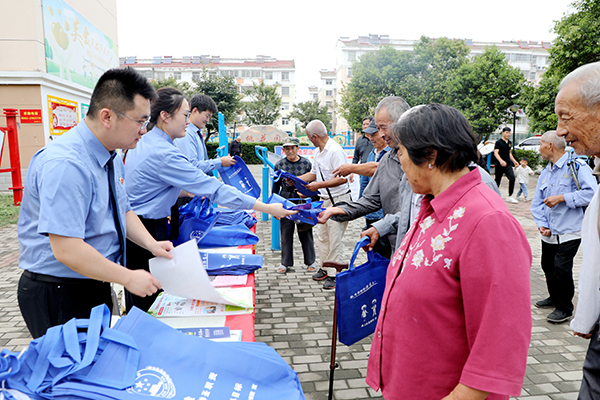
(156, 172)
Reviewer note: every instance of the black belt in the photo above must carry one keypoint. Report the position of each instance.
(55, 279)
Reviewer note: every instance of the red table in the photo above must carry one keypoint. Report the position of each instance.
(245, 322)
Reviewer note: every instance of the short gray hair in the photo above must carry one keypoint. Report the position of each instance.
(317, 128)
(395, 107)
(552, 137)
(588, 79)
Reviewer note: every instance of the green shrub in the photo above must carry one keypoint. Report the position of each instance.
(9, 214)
(534, 157)
(248, 153)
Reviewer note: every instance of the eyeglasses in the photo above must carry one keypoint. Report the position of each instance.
(143, 123)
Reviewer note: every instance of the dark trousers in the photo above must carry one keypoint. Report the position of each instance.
(499, 170)
(45, 302)
(286, 230)
(557, 264)
(137, 258)
(590, 384)
(382, 246)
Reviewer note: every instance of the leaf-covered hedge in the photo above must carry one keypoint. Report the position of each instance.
(534, 157)
(248, 153)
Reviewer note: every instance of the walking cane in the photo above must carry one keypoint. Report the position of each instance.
(333, 365)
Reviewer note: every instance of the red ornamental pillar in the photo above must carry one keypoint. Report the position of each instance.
(13, 147)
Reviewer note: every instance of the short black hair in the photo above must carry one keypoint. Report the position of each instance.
(524, 159)
(440, 128)
(116, 90)
(506, 128)
(368, 117)
(203, 102)
(169, 100)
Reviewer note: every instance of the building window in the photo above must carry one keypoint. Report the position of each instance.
(328, 93)
(314, 96)
(159, 75)
(268, 75)
(256, 73)
(285, 76)
(351, 55)
(285, 106)
(524, 57)
(329, 81)
(285, 121)
(285, 91)
(328, 103)
(195, 75)
(148, 74)
(177, 75)
(349, 72)
(532, 75)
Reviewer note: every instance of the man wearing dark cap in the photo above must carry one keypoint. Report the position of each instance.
(505, 163)
(363, 145)
(295, 165)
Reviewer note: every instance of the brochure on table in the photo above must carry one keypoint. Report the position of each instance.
(184, 276)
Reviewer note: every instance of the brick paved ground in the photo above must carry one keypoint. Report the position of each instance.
(294, 315)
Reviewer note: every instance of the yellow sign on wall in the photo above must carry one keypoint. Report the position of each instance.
(63, 114)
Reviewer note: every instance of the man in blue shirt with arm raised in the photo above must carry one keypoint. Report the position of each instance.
(558, 206)
(192, 145)
(75, 212)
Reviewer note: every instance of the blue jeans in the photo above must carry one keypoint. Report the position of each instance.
(522, 189)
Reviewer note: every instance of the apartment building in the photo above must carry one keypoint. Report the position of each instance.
(531, 58)
(245, 71)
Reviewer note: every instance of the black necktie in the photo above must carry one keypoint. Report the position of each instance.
(113, 204)
(203, 144)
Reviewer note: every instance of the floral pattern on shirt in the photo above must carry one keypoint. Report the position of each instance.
(421, 255)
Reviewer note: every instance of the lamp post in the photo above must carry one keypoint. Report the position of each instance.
(514, 109)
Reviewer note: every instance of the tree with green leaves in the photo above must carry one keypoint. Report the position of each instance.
(435, 62)
(484, 88)
(577, 43)
(264, 104)
(418, 76)
(224, 91)
(376, 75)
(310, 110)
(185, 87)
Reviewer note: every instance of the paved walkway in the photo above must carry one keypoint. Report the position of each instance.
(294, 316)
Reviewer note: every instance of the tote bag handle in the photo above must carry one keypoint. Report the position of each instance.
(361, 243)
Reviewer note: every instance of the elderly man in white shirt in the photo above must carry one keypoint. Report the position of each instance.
(329, 155)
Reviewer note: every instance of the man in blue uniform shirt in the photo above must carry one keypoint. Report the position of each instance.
(75, 214)
(562, 193)
(192, 144)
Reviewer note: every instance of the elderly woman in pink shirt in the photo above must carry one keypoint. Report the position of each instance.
(455, 321)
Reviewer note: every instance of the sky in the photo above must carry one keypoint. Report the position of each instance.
(307, 31)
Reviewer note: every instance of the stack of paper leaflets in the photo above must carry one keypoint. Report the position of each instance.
(189, 297)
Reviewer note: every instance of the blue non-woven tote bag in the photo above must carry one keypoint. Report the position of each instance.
(70, 352)
(239, 176)
(203, 208)
(178, 366)
(195, 222)
(299, 184)
(358, 294)
(231, 264)
(308, 212)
